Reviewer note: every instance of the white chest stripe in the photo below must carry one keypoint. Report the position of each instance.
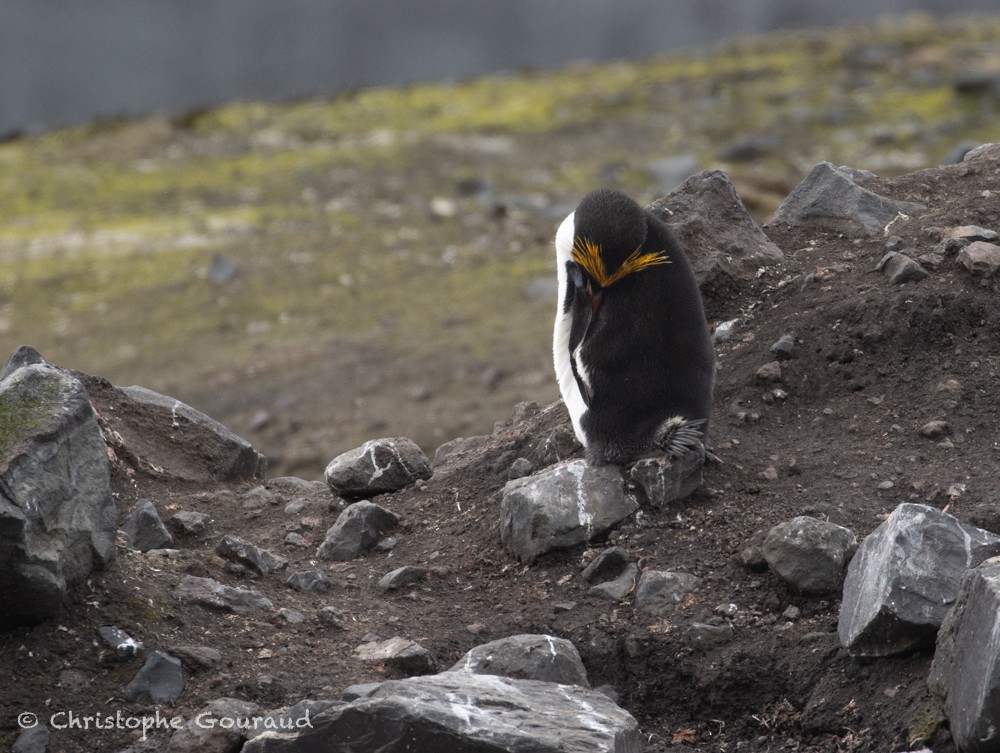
(561, 356)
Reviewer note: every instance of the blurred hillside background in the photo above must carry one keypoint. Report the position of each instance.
(321, 222)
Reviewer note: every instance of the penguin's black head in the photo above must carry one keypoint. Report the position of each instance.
(608, 238)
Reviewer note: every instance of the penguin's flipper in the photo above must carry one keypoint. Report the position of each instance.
(678, 435)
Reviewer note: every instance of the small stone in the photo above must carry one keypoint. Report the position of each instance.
(33, 740)
(618, 588)
(331, 616)
(769, 474)
(296, 540)
(520, 468)
(402, 577)
(188, 523)
(769, 372)
(243, 552)
(387, 544)
(894, 243)
(291, 616)
(809, 554)
(197, 658)
(901, 269)
(665, 480)
(659, 591)
(545, 658)
(784, 346)
(792, 613)
(398, 653)
(160, 680)
(378, 466)
(706, 636)
(608, 564)
(215, 728)
(144, 529)
(723, 331)
(476, 628)
(210, 593)
(885, 485)
(971, 233)
(356, 531)
(727, 610)
(310, 581)
(935, 429)
(980, 258)
(73, 681)
(124, 645)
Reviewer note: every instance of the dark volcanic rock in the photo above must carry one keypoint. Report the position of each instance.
(399, 654)
(378, 466)
(144, 529)
(901, 269)
(311, 581)
(218, 727)
(237, 550)
(665, 480)
(904, 578)
(211, 593)
(719, 236)
(527, 657)
(563, 506)
(966, 668)
(830, 198)
(57, 516)
(659, 591)
(124, 645)
(356, 531)
(402, 577)
(608, 564)
(464, 713)
(809, 554)
(160, 680)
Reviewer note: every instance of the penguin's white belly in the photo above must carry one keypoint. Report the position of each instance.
(568, 387)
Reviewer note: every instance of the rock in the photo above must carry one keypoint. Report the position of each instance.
(210, 593)
(400, 654)
(783, 346)
(666, 480)
(331, 616)
(966, 667)
(935, 429)
(980, 258)
(565, 505)
(356, 530)
(57, 516)
(33, 740)
(901, 269)
(520, 468)
(705, 636)
(291, 616)
(719, 237)
(971, 233)
(175, 438)
(124, 645)
(459, 449)
(465, 712)
(217, 727)
(197, 658)
(618, 588)
(237, 550)
(527, 657)
(378, 466)
(830, 198)
(608, 564)
(310, 581)
(160, 680)
(298, 716)
(188, 522)
(661, 590)
(402, 577)
(144, 529)
(361, 690)
(809, 554)
(905, 576)
(769, 373)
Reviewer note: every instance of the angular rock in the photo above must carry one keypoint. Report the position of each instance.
(262, 561)
(57, 516)
(659, 591)
(188, 522)
(330, 615)
(971, 233)
(980, 258)
(378, 466)
(310, 581)
(33, 740)
(665, 480)
(830, 198)
(174, 437)
(935, 429)
(402, 577)
(197, 658)
(966, 667)
(783, 346)
(144, 529)
(295, 717)
(160, 680)
(210, 593)
(527, 657)
(901, 269)
(356, 530)
(904, 578)
(619, 587)
(124, 645)
(400, 654)
(217, 727)
(291, 616)
(719, 237)
(608, 564)
(809, 554)
(568, 504)
(465, 713)
(705, 636)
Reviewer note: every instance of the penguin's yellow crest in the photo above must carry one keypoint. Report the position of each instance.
(587, 254)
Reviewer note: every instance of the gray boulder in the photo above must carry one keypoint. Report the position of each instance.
(565, 505)
(830, 198)
(904, 578)
(966, 668)
(378, 466)
(259, 560)
(527, 657)
(210, 593)
(809, 554)
(719, 236)
(464, 713)
(144, 529)
(356, 530)
(160, 680)
(664, 480)
(57, 516)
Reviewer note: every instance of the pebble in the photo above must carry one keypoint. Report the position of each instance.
(784, 346)
(244, 553)
(704, 635)
(769, 372)
(402, 577)
(124, 645)
(197, 658)
(331, 616)
(934, 429)
(792, 613)
(399, 654)
(291, 616)
(310, 581)
(189, 522)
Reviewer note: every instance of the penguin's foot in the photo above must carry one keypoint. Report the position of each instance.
(678, 435)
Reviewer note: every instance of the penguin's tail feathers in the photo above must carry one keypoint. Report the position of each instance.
(678, 435)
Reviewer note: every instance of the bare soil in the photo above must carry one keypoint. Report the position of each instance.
(873, 363)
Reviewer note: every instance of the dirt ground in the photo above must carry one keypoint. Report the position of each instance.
(873, 363)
